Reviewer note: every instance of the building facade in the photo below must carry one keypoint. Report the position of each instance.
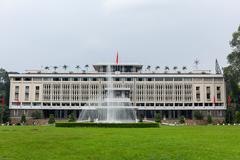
(171, 94)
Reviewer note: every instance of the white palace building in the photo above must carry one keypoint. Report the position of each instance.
(173, 94)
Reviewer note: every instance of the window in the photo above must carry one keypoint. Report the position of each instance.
(218, 79)
(208, 79)
(187, 79)
(75, 79)
(219, 93)
(208, 94)
(65, 79)
(140, 79)
(37, 88)
(16, 98)
(178, 79)
(129, 79)
(56, 79)
(159, 79)
(168, 79)
(26, 93)
(198, 93)
(27, 79)
(149, 79)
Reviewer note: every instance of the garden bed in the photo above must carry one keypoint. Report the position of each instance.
(107, 125)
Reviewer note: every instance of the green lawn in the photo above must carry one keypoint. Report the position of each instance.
(178, 143)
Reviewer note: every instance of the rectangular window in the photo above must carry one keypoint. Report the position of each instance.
(178, 79)
(140, 79)
(168, 79)
(219, 93)
(208, 93)
(159, 79)
(27, 79)
(37, 88)
(129, 79)
(65, 79)
(56, 79)
(198, 93)
(26, 93)
(16, 96)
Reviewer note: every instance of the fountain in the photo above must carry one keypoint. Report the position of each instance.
(114, 107)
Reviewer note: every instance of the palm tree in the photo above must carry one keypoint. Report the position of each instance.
(157, 68)
(46, 68)
(175, 68)
(55, 68)
(78, 67)
(65, 67)
(86, 66)
(148, 68)
(166, 69)
(184, 68)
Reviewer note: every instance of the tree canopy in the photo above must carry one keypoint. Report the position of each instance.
(232, 72)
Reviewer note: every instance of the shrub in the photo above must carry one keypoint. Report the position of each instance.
(198, 115)
(71, 118)
(158, 117)
(182, 120)
(36, 115)
(209, 119)
(51, 119)
(237, 117)
(108, 125)
(23, 119)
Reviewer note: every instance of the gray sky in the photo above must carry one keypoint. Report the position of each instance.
(35, 33)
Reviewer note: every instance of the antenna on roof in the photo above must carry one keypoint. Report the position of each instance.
(196, 62)
(217, 67)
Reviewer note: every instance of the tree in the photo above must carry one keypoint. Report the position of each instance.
(184, 68)
(71, 118)
(65, 67)
(55, 68)
(51, 119)
(158, 117)
(157, 68)
(148, 68)
(86, 67)
(23, 119)
(46, 68)
(78, 67)
(237, 117)
(232, 71)
(229, 116)
(166, 69)
(4, 91)
(175, 68)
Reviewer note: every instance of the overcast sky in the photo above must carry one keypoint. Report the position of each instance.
(35, 33)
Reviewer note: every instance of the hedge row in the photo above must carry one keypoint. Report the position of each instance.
(108, 125)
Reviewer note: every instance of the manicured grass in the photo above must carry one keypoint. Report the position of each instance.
(164, 143)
